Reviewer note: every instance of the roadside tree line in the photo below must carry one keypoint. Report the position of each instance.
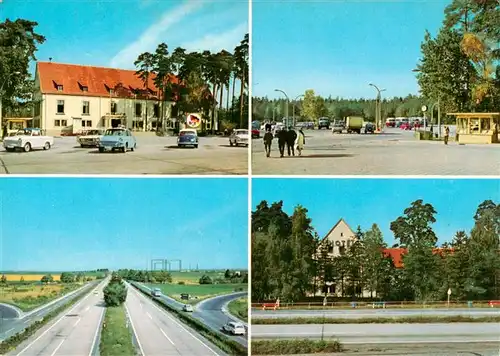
(143, 276)
(291, 262)
(65, 277)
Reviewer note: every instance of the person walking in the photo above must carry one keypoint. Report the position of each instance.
(4, 131)
(268, 140)
(446, 134)
(290, 141)
(301, 141)
(282, 136)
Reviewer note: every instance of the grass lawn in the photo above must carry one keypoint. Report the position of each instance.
(116, 338)
(28, 297)
(239, 308)
(198, 291)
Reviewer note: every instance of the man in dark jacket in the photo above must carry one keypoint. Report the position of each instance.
(282, 136)
(268, 141)
(291, 136)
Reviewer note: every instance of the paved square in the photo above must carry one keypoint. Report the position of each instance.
(154, 155)
(394, 152)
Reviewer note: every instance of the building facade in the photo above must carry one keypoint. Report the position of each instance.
(73, 98)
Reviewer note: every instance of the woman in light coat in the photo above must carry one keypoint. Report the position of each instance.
(300, 142)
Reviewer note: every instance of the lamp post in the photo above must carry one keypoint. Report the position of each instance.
(438, 103)
(287, 103)
(1, 97)
(293, 108)
(378, 107)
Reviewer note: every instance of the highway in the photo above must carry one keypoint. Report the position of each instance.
(75, 332)
(385, 333)
(159, 333)
(209, 312)
(374, 313)
(13, 320)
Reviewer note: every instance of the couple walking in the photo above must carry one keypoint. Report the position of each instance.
(288, 138)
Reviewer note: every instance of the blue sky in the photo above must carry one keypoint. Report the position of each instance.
(57, 224)
(114, 33)
(338, 47)
(367, 201)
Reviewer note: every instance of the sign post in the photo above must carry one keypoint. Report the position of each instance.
(449, 294)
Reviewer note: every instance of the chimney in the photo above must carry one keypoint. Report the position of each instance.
(50, 59)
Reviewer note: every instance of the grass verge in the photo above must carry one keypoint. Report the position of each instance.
(395, 320)
(31, 296)
(295, 347)
(115, 336)
(12, 342)
(239, 308)
(221, 341)
(198, 292)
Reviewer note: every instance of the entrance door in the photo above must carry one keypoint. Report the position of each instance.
(115, 122)
(77, 124)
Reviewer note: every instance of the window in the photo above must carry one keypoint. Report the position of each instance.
(111, 91)
(64, 122)
(85, 88)
(156, 110)
(59, 87)
(113, 107)
(341, 234)
(57, 123)
(60, 106)
(89, 123)
(138, 109)
(342, 250)
(86, 108)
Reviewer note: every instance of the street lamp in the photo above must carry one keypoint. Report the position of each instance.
(378, 107)
(1, 97)
(293, 108)
(287, 103)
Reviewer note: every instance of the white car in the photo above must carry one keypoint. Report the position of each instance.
(90, 138)
(188, 308)
(234, 328)
(238, 137)
(27, 140)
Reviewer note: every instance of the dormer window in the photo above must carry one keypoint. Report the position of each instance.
(59, 87)
(111, 91)
(85, 88)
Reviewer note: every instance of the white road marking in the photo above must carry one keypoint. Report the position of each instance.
(9, 331)
(57, 348)
(150, 317)
(164, 334)
(27, 321)
(135, 332)
(77, 321)
(97, 331)
(86, 309)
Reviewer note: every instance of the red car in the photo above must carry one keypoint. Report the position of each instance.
(405, 126)
(255, 133)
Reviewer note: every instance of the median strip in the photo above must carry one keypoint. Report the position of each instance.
(116, 338)
(393, 320)
(295, 347)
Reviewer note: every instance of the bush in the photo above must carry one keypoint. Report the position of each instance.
(181, 283)
(290, 347)
(205, 279)
(115, 294)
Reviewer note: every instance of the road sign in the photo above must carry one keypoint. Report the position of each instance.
(449, 291)
(424, 108)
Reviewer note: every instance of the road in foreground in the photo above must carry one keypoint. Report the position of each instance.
(394, 152)
(154, 155)
(75, 332)
(159, 333)
(375, 313)
(385, 333)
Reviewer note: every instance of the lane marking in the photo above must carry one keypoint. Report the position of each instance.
(175, 321)
(53, 325)
(134, 330)
(150, 317)
(164, 334)
(57, 348)
(27, 321)
(9, 331)
(86, 309)
(97, 331)
(77, 321)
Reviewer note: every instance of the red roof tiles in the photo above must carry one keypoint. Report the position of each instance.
(397, 253)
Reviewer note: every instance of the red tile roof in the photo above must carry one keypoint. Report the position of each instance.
(98, 80)
(397, 253)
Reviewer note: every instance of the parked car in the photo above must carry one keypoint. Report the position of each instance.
(27, 140)
(405, 126)
(324, 122)
(238, 137)
(91, 138)
(255, 133)
(188, 308)
(368, 127)
(234, 328)
(188, 137)
(338, 127)
(117, 139)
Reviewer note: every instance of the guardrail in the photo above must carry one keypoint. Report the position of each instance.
(376, 304)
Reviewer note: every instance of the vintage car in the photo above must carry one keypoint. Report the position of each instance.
(27, 140)
(187, 308)
(234, 328)
(90, 138)
(238, 137)
(255, 133)
(187, 137)
(117, 139)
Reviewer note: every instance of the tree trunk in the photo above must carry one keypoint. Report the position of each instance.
(227, 98)
(220, 102)
(232, 98)
(241, 100)
(214, 103)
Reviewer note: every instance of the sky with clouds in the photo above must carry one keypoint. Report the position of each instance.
(114, 33)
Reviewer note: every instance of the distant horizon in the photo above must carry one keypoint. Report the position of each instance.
(138, 269)
(339, 98)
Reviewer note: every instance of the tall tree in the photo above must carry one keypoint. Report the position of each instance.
(242, 72)
(374, 262)
(145, 64)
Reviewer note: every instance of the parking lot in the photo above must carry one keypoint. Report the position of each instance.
(154, 155)
(393, 152)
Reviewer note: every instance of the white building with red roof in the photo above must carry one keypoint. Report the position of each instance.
(74, 98)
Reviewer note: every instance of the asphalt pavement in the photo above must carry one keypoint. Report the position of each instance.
(75, 332)
(159, 333)
(375, 313)
(385, 333)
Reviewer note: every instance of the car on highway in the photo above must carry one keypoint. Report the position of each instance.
(90, 138)
(27, 140)
(188, 137)
(156, 292)
(234, 328)
(117, 139)
(238, 137)
(324, 122)
(188, 308)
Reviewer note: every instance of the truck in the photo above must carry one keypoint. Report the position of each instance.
(354, 124)
(324, 122)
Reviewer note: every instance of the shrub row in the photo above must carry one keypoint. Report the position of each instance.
(294, 347)
(224, 343)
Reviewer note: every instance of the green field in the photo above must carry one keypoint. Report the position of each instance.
(192, 277)
(239, 308)
(31, 296)
(199, 291)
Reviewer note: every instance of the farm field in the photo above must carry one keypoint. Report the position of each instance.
(192, 277)
(28, 297)
(32, 276)
(198, 291)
